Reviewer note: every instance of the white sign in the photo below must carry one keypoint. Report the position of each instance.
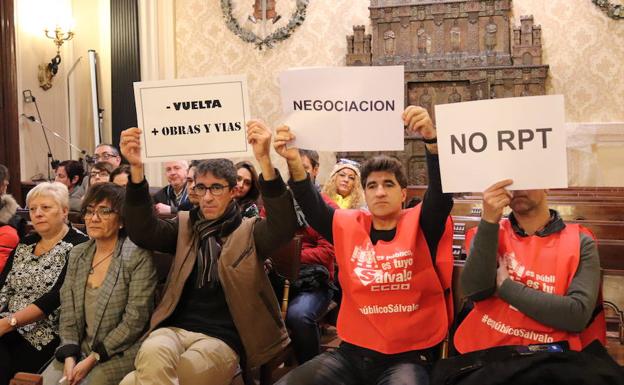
(345, 108)
(485, 141)
(193, 118)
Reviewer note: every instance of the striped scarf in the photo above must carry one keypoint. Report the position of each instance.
(208, 237)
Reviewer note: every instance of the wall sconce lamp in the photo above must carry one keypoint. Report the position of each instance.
(48, 70)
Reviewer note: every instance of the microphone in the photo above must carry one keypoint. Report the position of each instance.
(89, 159)
(30, 117)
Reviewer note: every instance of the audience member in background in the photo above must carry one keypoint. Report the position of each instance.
(9, 238)
(218, 307)
(107, 297)
(104, 152)
(120, 175)
(247, 192)
(100, 172)
(173, 197)
(312, 291)
(4, 179)
(8, 234)
(413, 202)
(30, 284)
(70, 173)
(108, 153)
(344, 187)
(311, 163)
(16, 221)
(190, 183)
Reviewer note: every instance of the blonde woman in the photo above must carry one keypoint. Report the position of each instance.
(344, 186)
(31, 282)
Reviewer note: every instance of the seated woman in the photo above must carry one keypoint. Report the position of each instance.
(100, 172)
(120, 175)
(30, 283)
(107, 298)
(344, 187)
(247, 192)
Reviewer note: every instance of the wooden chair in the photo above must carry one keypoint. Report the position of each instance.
(22, 378)
(458, 302)
(288, 252)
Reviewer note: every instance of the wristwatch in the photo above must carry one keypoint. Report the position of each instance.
(13, 322)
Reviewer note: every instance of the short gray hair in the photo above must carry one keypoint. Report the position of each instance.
(56, 190)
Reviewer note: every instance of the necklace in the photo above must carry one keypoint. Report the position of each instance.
(92, 269)
(51, 244)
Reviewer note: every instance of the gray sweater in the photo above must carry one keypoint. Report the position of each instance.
(570, 312)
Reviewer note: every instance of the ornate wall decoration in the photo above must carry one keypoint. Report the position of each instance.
(582, 67)
(264, 12)
(614, 11)
(459, 50)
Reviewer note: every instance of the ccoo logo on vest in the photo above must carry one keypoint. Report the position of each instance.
(382, 273)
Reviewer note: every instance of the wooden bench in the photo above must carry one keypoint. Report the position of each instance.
(568, 210)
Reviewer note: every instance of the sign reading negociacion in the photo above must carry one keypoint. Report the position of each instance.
(193, 118)
(345, 108)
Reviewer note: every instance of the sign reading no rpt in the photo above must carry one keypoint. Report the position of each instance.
(485, 141)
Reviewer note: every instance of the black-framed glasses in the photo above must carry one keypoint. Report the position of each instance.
(104, 156)
(216, 189)
(99, 173)
(102, 212)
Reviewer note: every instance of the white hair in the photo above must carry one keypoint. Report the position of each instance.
(56, 190)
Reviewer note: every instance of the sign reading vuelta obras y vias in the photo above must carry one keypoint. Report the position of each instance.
(193, 118)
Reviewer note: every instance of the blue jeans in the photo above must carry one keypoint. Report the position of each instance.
(345, 367)
(304, 311)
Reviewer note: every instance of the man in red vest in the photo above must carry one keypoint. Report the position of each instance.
(394, 268)
(534, 279)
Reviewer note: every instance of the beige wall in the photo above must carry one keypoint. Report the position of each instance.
(206, 47)
(583, 47)
(92, 28)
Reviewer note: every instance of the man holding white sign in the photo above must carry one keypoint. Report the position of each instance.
(534, 281)
(546, 282)
(395, 270)
(218, 308)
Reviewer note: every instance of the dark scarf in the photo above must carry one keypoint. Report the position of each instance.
(208, 235)
(176, 200)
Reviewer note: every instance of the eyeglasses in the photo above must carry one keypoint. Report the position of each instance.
(102, 212)
(348, 161)
(104, 156)
(215, 189)
(99, 173)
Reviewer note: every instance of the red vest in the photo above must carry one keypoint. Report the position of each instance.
(393, 298)
(542, 263)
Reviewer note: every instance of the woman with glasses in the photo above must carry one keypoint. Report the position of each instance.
(344, 186)
(100, 172)
(31, 281)
(247, 191)
(107, 298)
